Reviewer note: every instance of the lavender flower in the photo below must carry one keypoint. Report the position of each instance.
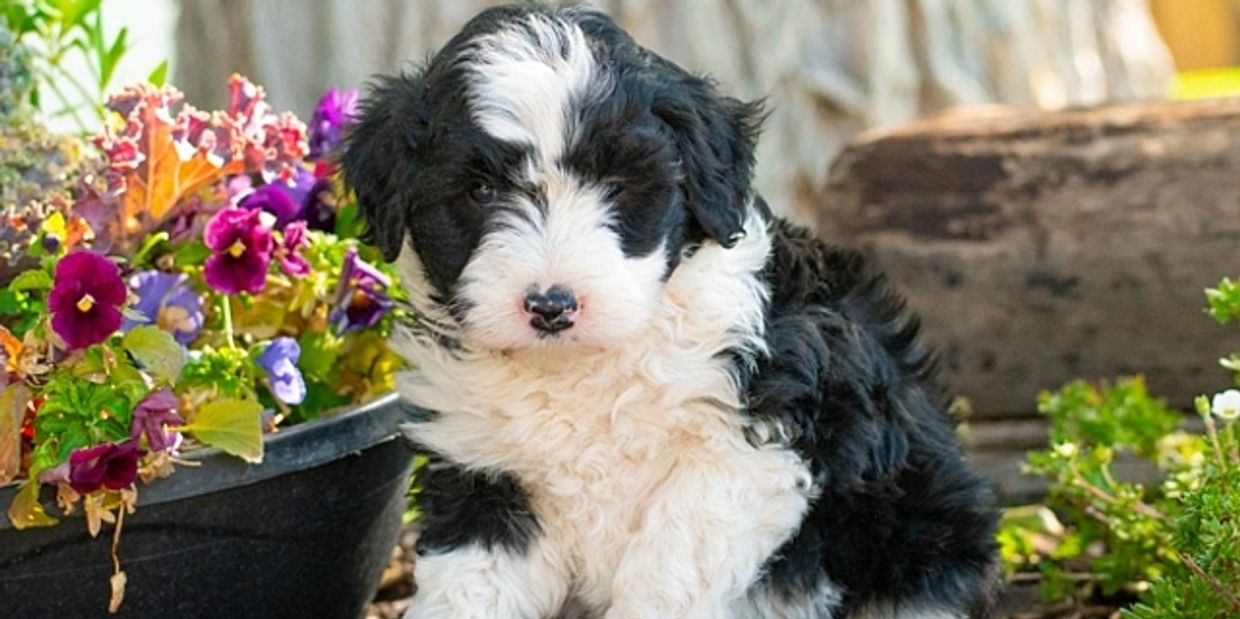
(360, 297)
(152, 415)
(331, 115)
(279, 359)
(167, 300)
(85, 300)
(241, 251)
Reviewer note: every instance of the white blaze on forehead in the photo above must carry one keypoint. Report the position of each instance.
(524, 78)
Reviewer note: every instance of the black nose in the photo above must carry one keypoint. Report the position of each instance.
(552, 310)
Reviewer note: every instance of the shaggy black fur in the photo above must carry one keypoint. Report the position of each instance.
(901, 516)
(901, 521)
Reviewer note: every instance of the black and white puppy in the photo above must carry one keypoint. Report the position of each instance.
(653, 400)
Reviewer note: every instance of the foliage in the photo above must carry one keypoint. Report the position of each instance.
(57, 31)
(125, 345)
(1172, 549)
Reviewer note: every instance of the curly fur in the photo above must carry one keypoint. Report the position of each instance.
(740, 423)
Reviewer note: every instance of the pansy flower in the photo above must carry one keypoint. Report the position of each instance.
(280, 359)
(168, 301)
(152, 416)
(285, 202)
(361, 299)
(241, 246)
(319, 211)
(112, 465)
(331, 115)
(86, 297)
(289, 252)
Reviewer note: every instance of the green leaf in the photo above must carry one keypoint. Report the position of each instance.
(157, 351)
(25, 511)
(34, 279)
(232, 426)
(192, 254)
(107, 64)
(319, 354)
(349, 223)
(148, 243)
(159, 75)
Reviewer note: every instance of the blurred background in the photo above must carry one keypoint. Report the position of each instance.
(1051, 182)
(829, 68)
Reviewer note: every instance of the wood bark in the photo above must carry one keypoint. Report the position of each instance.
(1042, 247)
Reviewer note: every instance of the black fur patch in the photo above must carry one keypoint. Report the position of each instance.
(901, 518)
(460, 507)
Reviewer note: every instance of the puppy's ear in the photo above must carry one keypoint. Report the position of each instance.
(716, 136)
(378, 159)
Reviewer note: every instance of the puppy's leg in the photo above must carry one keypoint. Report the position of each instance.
(474, 582)
(481, 554)
(705, 533)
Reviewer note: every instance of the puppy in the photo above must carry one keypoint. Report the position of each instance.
(651, 398)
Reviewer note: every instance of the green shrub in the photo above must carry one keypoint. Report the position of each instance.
(1174, 546)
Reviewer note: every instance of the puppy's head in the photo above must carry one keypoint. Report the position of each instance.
(544, 175)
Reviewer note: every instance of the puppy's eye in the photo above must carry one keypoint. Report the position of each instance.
(482, 194)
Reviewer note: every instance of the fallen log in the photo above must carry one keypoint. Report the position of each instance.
(1043, 247)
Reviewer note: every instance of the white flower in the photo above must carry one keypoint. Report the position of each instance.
(1227, 405)
(1066, 450)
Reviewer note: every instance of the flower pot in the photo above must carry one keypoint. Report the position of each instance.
(305, 534)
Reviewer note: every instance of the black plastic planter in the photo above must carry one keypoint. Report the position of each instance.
(305, 534)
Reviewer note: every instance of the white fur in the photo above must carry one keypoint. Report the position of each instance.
(524, 79)
(888, 611)
(523, 85)
(634, 455)
(477, 583)
(767, 604)
(625, 429)
(569, 244)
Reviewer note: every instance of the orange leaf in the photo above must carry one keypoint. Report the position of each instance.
(12, 348)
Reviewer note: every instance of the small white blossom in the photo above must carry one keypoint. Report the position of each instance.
(1066, 450)
(1226, 405)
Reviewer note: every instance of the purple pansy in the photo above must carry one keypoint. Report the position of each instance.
(111, 465)
(279, 359)
(168, 301)
(241, 246)
(331, 115)
(286, 202)
(289, 251)
(319, 212)
(85, 300)
(157, 411)
(360, 297)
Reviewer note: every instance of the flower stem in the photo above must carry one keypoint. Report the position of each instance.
(228, 321)
(1211, 580)
(1212, 430)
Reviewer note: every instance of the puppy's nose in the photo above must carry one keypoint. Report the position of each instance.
(552, 311)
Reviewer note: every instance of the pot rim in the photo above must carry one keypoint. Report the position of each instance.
(299, 447)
